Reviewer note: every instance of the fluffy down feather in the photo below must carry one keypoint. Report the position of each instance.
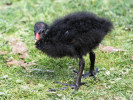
(74, 35)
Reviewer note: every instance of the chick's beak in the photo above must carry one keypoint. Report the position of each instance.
(37, 36)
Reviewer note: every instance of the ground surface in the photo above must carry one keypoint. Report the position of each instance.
(25, 80)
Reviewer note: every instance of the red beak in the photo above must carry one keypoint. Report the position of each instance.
(37, 36)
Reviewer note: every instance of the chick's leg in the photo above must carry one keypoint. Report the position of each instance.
(81, 68)
(92, 72)
(78, 82)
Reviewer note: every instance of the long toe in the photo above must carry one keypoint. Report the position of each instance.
(72, 86)
(88, 74)
(77, 72)
(91, 73)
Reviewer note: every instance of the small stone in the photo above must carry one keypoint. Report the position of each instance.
(108, 72)
(49, 70)
(2, 93)
(24, 87)
(59, 95)
(5, 77)
(19, 81)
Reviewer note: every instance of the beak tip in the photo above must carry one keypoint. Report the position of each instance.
(37, 36)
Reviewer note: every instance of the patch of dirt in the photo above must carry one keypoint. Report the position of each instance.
(21, 63)
(3, 52)
(109, 49)
(18, 47)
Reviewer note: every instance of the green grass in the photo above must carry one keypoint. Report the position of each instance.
(115, 77)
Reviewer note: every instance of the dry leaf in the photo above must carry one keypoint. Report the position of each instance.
(23, 56)
(15, 62)
(131, 57)
(100, 98)
(18, 47)
(119, 98)
(12, 41)
(31, 64)
(10, 59)
(109, 48)
(3, 52)
(20, 63)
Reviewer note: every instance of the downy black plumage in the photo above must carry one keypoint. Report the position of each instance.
(75, 35)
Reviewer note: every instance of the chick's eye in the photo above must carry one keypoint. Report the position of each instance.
(43, 31)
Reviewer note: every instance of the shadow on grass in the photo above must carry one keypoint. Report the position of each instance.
(55, 69)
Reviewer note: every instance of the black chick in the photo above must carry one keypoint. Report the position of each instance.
(75, 35)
